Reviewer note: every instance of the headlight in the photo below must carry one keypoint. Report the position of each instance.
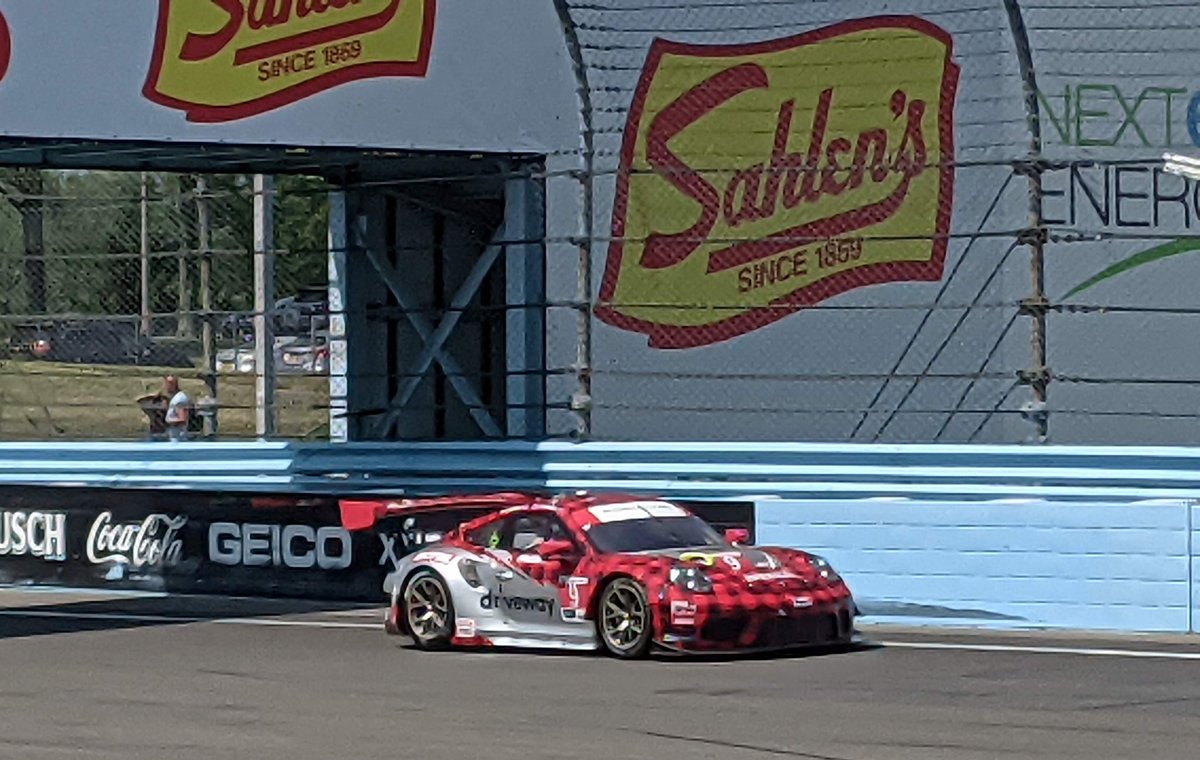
(691, 579)
(825, 570)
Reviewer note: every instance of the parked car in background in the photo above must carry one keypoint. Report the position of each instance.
(30, 339)
(98, 342)
(304, 312)
(293, 355)
(239, 360)
(309, 356)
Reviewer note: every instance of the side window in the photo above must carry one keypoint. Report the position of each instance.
(490, 535)
(528, 531)
(520, 532)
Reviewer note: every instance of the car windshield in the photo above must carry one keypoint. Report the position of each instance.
(653, 534)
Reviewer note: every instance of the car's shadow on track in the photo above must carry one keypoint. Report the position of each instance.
(665, 656)
(798, 653)
(37, 615)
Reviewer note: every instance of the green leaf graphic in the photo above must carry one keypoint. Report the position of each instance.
(1174, 248)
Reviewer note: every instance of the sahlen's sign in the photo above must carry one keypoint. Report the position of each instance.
(222, 60)
(757, 179)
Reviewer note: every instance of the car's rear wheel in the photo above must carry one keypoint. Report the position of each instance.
(428, 610)
(624, 620)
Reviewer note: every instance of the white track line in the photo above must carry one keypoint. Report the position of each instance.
(299, 623)
(122, 617)
(1018, 649)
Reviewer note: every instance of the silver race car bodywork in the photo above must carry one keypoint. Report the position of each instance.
(490, 600)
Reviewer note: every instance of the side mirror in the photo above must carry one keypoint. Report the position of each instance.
(557, 547)
(737, 536)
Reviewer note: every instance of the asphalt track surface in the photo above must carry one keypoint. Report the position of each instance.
(174, 679)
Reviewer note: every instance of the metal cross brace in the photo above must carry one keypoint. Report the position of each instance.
(435, 340)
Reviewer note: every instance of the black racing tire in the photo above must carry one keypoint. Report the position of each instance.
(426, 593)
(393, 619)
(624, 622)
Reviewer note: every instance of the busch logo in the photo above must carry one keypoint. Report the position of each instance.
(36, 534)
(758, 179)
(154, 541)
(220, 60)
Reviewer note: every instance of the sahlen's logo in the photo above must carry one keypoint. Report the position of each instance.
(5, 47)
(222, 60)
(758, 179)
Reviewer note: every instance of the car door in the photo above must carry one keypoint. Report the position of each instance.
(528, 591)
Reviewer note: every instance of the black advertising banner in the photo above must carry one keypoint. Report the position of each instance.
(196, 543)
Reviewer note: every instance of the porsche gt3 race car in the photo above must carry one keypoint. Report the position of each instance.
(619, 573)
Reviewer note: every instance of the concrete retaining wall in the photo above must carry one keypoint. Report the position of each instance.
(1117, 566)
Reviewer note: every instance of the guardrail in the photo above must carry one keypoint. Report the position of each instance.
(241, 466)
(686, 470)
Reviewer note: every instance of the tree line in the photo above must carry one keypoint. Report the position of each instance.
(72, 242)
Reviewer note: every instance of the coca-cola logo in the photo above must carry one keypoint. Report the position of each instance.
(152, 542)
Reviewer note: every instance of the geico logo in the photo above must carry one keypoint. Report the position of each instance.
(524, 603)
(294, 546)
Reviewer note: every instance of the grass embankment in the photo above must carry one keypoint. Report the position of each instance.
(46, 401)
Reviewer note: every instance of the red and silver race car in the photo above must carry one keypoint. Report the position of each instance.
(586, 572)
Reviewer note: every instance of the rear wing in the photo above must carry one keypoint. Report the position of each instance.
(359, 514)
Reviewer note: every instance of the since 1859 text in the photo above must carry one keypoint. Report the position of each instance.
(832, 254)
(304, 61)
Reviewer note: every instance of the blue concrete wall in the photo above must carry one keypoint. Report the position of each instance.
(1011, 536)
(1123, 566)
(1193, 529)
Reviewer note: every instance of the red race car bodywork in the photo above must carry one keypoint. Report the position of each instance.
(615, 571)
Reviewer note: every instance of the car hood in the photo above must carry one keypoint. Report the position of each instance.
(765, 569)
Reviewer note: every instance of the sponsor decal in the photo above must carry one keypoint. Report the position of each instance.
(635, 510)
(464, 628)
(575, 610)
(779, 575)
(759, 179)
(153, 542)
(683, 613)
(34, 534)
(222, 60)
(709, 559)
(519, 603)
(437, 558)
(300, 547)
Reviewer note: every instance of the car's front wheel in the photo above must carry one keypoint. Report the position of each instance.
(624, 619)
(428, 610)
